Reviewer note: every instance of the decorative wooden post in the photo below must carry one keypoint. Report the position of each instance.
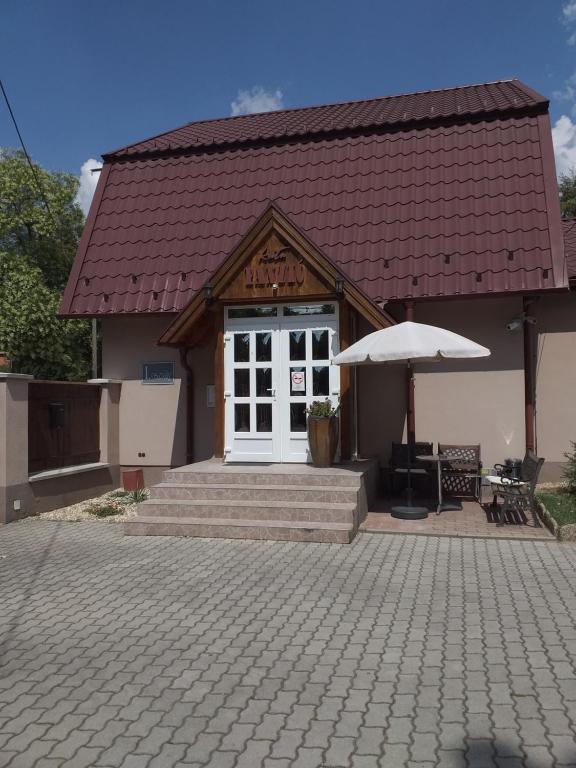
(219, 385)
(345, 395)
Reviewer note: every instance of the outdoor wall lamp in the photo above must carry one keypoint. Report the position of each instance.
(339, 286)
(208, 295)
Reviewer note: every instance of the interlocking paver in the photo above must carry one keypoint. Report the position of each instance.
(394, 651)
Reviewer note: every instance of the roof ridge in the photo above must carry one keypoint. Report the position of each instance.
(290, 110)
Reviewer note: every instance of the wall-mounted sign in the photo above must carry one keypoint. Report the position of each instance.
(275, 266)
(298, 381)
(158, 373)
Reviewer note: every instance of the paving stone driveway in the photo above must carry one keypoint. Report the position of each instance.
(393, 651)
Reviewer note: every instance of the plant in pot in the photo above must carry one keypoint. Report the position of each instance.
(322, 425)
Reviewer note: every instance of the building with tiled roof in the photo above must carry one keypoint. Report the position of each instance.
(335, 220)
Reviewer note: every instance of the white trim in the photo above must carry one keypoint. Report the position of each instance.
(21, 376)
(104, 381)
(48, 474)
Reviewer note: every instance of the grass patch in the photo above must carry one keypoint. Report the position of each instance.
(122, 495)
(104, 510)
(129, 497)
(560, 504)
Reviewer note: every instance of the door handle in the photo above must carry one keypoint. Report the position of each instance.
(272, 390)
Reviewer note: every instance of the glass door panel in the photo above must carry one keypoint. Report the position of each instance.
(307, 346)
(251, 359)
(275, 365)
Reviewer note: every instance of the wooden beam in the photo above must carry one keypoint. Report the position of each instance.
(189, 404)
(345, 393)
(219, 386)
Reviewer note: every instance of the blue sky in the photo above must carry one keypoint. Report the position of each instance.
(87, 77)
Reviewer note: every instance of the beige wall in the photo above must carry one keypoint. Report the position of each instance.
(202, 361)
(153, 416)
(479, 401)
(381, 406)
(556, 378)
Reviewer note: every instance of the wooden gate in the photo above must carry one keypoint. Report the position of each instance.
(63, 424)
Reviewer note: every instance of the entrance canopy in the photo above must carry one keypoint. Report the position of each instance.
(273, 262)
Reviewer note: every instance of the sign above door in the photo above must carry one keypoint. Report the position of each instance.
(274, 267)
(275, 270)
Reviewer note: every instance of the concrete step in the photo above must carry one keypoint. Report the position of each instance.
(251, 492)
(308, 478)
(276, 530)
(300, 512)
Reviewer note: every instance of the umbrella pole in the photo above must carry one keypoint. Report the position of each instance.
(410, 427)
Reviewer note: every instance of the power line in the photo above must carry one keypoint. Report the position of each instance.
(30, 163)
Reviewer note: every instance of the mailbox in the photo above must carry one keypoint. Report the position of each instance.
(56, 413)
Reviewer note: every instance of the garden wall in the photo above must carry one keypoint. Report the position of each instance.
(24, 492)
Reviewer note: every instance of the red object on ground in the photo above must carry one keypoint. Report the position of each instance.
(132, 479)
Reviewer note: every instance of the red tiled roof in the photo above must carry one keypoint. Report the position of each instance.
(404, 109)
(569, 230)
(449, 207)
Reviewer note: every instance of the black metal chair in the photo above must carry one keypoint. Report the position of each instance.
(517, 493)
(463, 477)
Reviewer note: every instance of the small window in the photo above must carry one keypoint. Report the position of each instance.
(249, 312)
(297, 310)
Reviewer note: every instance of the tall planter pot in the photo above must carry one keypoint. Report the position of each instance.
(322, 439)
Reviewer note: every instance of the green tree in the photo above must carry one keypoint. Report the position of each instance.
(567, 186)
(37, 247)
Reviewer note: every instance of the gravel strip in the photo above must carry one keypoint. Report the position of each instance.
(81, 511)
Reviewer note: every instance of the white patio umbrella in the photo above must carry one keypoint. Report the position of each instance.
(408, 343)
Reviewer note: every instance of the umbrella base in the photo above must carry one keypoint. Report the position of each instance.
(409, 513)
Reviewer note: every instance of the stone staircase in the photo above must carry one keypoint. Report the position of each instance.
(284, 502)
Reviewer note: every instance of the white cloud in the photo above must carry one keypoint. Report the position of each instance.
(88, 181)
(568, 92)
(564, 138)
(569, 12)
(569, 19)
(256, 99)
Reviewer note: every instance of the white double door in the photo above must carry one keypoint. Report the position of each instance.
(276, 363)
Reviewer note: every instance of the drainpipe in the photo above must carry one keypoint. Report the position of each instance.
(94, 348)
(354, 334)
(189, 404)
(529, 378)
(410, 410)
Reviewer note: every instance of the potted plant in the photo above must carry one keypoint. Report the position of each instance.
(322, 425)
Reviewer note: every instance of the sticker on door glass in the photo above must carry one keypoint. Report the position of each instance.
(298, 381)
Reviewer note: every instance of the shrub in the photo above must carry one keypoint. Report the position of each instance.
(120, 494)
(129, 497)
(321, 409)
(140, 494)
(569, 470)
(104, 510)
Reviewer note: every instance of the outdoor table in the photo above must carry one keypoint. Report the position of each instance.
(438, 459)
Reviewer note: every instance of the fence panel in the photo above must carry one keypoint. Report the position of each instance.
(63, 424)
